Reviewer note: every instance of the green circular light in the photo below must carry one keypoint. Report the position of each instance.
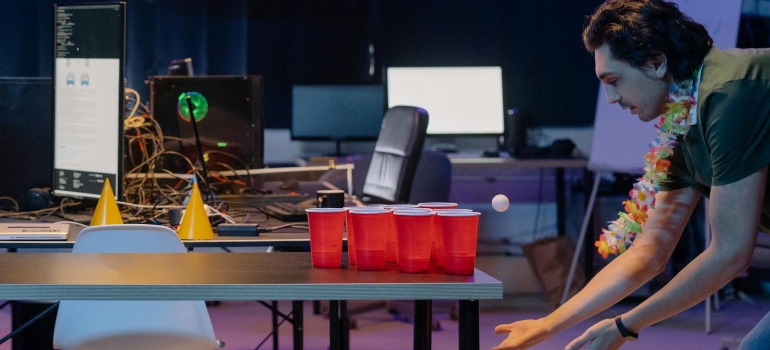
(200, 106)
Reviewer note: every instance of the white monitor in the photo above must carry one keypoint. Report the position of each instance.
(459, 100)
(88, 99)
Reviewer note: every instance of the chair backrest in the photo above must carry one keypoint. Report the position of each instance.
(109, 324)
(433, 178)
(396, 154)
(128, 239)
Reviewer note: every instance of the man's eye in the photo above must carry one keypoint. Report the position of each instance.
(612, 82)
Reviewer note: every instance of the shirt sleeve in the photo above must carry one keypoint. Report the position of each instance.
(737, 129)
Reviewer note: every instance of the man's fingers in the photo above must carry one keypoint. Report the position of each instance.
(502, 329)
(576, 344)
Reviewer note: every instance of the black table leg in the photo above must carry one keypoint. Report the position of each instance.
(297, 324)
(560, 202)
(275, 324)
(344, 326)
(316, 307)
(334, 325)
(423, 318)
(469, 325)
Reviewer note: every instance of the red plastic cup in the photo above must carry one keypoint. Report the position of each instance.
(413, 209)
(351, 231)
(434, 252)
(438, 205)
(414, 230)
(392, 237)
(371, 231)
(439, 240)
(399, 206)
(436, 249)
(326, 227)
(459, 230)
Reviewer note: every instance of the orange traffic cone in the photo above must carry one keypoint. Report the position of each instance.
(106, 212)
(195, 223)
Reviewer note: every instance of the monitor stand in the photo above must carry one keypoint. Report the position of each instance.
(338, 149)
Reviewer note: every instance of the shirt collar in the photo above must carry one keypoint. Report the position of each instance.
(692, 118)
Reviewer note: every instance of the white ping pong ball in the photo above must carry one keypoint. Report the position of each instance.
(500, 203)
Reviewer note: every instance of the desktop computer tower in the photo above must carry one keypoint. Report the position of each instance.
(230, 121)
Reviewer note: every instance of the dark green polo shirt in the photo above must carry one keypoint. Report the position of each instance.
(731, 139)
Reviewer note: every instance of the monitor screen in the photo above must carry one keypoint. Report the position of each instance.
(337, 112)
(459, 100)
(25, 125)
(228, 114)
(89, 43)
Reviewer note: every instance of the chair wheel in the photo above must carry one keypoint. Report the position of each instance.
(353, 324)
(435, 326)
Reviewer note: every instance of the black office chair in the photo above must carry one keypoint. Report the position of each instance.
(396, 155)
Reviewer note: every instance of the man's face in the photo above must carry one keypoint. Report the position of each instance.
(643, 90)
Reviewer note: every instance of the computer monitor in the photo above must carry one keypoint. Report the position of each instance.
(25, 125)
(337, 112)
(459, 100)
(89, 46)
(228, 114)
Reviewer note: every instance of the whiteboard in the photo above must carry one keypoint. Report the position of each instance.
(620, 139)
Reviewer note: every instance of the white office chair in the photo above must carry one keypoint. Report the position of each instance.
(108, 324)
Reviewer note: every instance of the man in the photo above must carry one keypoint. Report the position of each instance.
(643, 49)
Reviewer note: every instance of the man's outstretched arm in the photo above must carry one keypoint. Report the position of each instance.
(734, 212)
(644, 260)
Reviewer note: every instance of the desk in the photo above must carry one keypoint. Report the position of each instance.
(238, 276)
(486, 164)
(285, 237)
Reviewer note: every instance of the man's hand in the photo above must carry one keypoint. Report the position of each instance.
(523, 334)
(601, 336)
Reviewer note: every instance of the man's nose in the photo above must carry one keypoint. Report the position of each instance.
(612, 95)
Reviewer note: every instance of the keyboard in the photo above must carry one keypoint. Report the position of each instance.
(286, 211)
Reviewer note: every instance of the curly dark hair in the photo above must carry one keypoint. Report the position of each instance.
(639, 30)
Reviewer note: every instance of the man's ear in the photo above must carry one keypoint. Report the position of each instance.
(658, 64)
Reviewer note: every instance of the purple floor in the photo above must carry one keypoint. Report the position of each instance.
(244, 324)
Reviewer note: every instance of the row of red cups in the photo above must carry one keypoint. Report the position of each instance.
(406, 234)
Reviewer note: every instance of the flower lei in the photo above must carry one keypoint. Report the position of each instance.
(673, 122)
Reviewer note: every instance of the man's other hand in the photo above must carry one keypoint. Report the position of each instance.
(601, 336)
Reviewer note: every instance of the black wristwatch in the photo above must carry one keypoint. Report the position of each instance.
(623, 330)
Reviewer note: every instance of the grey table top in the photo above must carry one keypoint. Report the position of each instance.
(219, 276)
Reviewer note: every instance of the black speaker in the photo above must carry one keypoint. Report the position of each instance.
(515, 136)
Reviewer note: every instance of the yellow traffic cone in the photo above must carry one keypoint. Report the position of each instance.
(195, 223)
(106, 212)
